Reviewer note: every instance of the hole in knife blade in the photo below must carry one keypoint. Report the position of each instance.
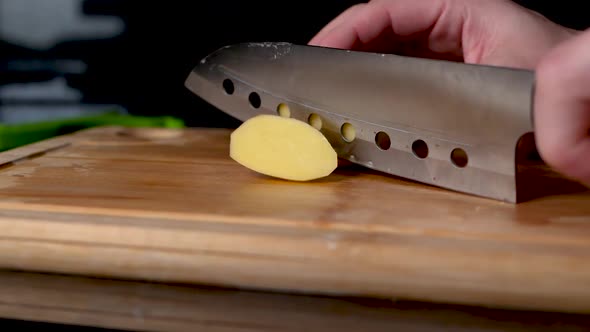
(283, 110)
(254, 99)
(459, 157)
(382, 140)
(420, 149)
(315, 121)
(348, 132)
(228, 86)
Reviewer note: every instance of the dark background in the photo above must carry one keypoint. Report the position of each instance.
(144, 68)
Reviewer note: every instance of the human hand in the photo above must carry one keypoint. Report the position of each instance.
(488, 32)
(562, 108)
(497, 32)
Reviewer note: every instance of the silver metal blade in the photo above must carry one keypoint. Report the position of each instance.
(446, 124)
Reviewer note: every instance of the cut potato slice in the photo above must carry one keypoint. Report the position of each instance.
(284, 148)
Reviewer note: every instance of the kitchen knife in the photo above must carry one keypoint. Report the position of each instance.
(442, 123)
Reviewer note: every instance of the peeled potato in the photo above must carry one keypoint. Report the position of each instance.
(282, 147)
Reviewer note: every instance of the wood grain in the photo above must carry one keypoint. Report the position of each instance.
(117, 304)
(170, 206)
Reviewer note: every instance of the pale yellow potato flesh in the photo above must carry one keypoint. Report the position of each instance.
(284, 148)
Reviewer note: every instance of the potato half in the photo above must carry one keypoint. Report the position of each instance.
(282, 147)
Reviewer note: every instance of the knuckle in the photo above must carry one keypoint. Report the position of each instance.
(567, 61)
(552, 66)
(550, 63)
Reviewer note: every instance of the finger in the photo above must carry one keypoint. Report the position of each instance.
(369, 19)
(344, 17)
(562, 108)
(438, 23)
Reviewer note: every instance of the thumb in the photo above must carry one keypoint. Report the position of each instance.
(562, 108)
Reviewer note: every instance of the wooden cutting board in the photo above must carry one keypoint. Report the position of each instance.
(170, 205)
(156, 307)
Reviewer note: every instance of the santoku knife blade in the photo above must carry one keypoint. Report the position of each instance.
(442, 123)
